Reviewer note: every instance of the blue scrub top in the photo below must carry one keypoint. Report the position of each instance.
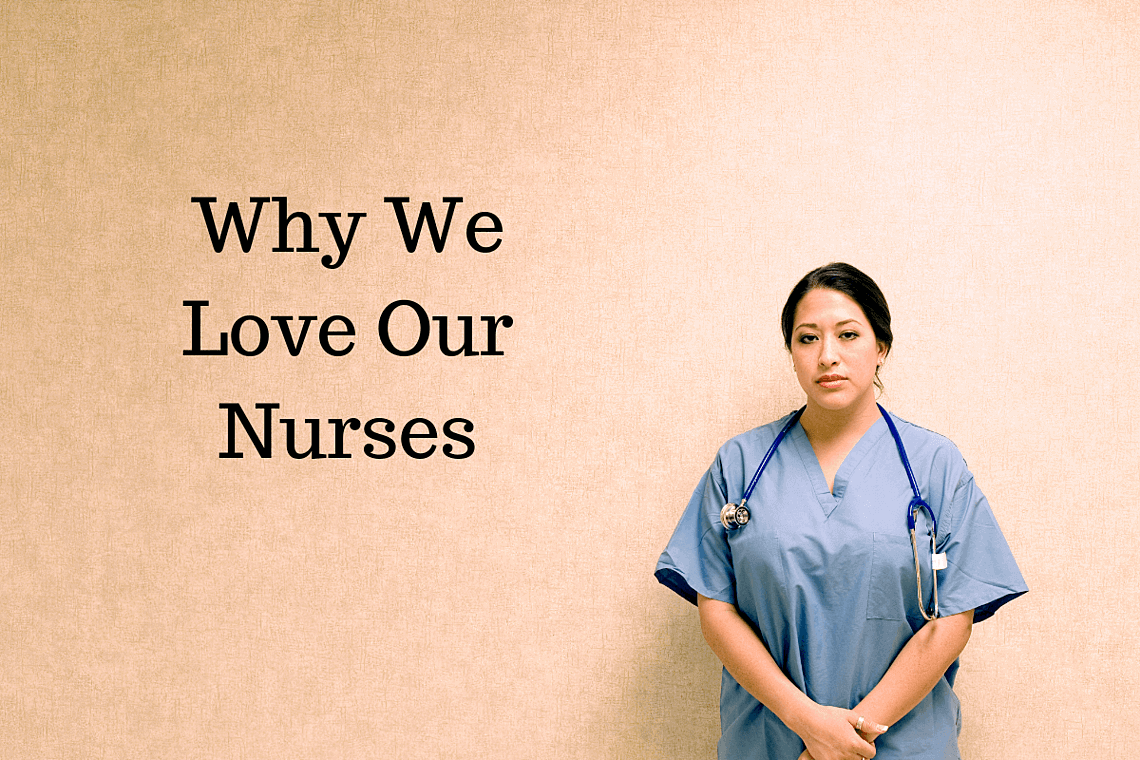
(827, 579)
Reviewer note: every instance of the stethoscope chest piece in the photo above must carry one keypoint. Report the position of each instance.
(734, 516)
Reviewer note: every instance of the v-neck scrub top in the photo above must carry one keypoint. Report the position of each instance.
(827, 578)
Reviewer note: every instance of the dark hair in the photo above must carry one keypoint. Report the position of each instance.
(852, 283)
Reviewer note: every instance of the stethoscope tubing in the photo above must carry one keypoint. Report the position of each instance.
(735, 516)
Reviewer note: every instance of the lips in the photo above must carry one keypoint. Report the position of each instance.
(830, 378)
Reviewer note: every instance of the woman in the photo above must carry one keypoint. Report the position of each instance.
(807, 591)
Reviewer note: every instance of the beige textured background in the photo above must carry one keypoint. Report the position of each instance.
(664, 173)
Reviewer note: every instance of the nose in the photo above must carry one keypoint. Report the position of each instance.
(828, 352)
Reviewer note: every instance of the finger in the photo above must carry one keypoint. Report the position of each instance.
(865, 749)
(865, 725)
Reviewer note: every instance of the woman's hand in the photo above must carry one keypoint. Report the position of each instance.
(831, 734)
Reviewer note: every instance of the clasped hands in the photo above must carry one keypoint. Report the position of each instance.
(838, 734)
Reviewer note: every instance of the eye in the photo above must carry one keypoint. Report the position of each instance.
(849, 335)
(807, 338)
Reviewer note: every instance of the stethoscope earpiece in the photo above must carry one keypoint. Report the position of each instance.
(937, 561)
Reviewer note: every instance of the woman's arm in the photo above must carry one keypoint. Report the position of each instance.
(917, 668)
(915, 671)
(827, 732)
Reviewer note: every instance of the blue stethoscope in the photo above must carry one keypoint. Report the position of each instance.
(734, 516)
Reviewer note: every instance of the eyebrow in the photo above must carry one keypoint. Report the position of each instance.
(814, 326)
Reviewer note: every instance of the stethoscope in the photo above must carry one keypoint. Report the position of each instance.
(734, 516)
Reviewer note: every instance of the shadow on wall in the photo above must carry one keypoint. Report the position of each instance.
(669, 705)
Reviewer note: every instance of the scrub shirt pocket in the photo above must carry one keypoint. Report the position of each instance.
(891, 559)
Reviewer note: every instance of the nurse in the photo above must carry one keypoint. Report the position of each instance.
(811, 601)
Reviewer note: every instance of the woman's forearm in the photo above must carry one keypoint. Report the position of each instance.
(750, 663)
(827, 732)
(917, 668)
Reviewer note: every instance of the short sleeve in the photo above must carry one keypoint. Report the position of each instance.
(697, 559)
(981, 573)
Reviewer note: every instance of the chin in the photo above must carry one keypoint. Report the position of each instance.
(839, 402)
(833, 404)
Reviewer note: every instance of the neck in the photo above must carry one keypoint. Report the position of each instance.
(830, 424)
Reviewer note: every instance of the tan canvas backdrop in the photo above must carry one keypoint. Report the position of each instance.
(664, 172)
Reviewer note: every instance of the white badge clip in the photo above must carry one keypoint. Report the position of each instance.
(938, 561)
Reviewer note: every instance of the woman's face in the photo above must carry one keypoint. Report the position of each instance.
(834, 351)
